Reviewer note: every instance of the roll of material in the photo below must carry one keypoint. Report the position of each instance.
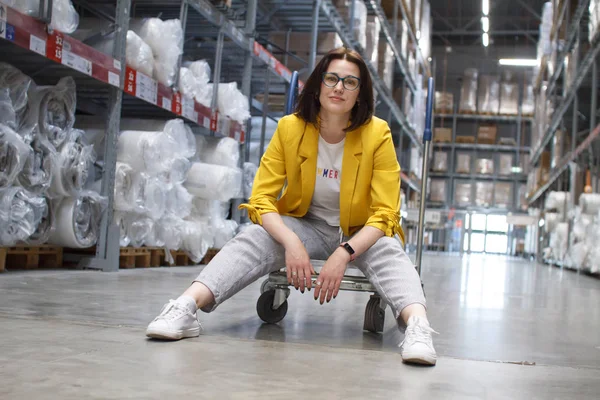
(8, 116)
(18, 85)
(200, 69)
(153, 239)
(214, 182)
(179, 201)
(151, 196)
(20, 214)
(64, 17)
(14, 153)
(249, 174)
(144, 151)
(73, 165)
(119, 219)
(551, 221)
(139, 228)
(589, 203)
(77, 220)
(42, 232)
(210, 209)
(219, 151)
(50, 111)
(197, 239)
(170, 231)
(40, 165)
(557, 201)
(125, 188)
(224, 230)
(139, 55)
(558, 241)
(182, 138)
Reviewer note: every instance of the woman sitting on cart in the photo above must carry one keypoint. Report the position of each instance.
(335, 166)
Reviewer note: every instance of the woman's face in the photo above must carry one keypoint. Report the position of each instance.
(338, 97)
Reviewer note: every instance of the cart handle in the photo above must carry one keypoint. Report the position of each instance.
(427, 136)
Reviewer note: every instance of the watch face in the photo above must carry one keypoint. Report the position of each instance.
(349, 248)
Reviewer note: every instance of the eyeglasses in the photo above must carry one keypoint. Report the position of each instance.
(331, 79)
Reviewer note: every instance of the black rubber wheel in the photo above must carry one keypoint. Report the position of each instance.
(374, 316)
(264, 308)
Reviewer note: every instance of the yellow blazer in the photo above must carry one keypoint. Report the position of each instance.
(370, 185)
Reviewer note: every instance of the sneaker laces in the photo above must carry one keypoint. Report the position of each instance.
(172, 311)
(418, 333)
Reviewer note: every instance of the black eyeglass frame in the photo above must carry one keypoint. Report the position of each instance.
(340, 79)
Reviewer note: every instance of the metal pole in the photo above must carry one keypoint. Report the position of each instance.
(351, 24)
(265, 111)
(183, 12)
(217, 71)
(426, 142)
(312, 56)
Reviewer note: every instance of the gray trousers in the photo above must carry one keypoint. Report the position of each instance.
(253, 253)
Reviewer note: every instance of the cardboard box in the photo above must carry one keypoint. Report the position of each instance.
(442, 135)
(440, 161)
(463, 163)
(484, 166)
(462, 194)
(484, 194)
(444, 102)
(487, 134)
(505, 164)
(503, 195)
(437, 191)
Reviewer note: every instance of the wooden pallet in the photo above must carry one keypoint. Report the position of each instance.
(485, 141)
(130, 257)
(210, 254)
(467, 112)
(441, 140)
(507, 142)
(31, 257)
(465, 139)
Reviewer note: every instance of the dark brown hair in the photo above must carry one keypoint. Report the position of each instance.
(308, 106)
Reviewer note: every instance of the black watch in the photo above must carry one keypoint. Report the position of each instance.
(349, 249)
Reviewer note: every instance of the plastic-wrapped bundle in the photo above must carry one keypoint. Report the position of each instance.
(151, 196)
(14, 152)
(224, 230)
(209, 209)
(7, 111)
(153, 239)
(125, 193)
(220, 151)
(503, 195)
(484, 166)
(144, 151)
(594, 19)
(557, 201)
(165, 38)
(138, 229)
(589, 203)
(484, 193)
(372, 48)
(197, 239)
(20, 214)
(489, 94)
(528, 103)
(201, 70)
(139, 55)
(17, 84)
(463, 163)
(170, 231)
(249, 174)
(506, 164)
(52, 109)
(468, 92)
(551, 221)
(360, 18)
(509, 95)
(64, 16)
(558, 241)
(182, 137)
(188, 84)
(214, 182)
(233, 103)
(177, 172)
(44, 227)
(36, 175)
(73, 164)
(462, 194)
(437, 192)
(77, 220)
(119, 219)
(179, 201)
(440, 161)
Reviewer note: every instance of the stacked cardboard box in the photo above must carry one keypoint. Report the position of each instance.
(484, 194)
(503, 195)
(462, 194)
(463, 163)
(487, 134)
(468, 92)
(437, 191)
(444, 102)
(440, 161)
(505, 164)
(442, 135)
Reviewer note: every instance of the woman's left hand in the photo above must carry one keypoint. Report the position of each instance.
(330, 277)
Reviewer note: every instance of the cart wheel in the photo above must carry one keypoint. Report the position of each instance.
(374, 316)
(266, 286)
(264, 308)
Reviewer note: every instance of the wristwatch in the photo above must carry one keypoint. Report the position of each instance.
(349, 249)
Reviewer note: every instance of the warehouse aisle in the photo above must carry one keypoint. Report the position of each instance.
(81, 334)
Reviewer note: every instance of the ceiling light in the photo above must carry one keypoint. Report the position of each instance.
(485, 7)
(485, 39)
(485, 24)
(519, 62)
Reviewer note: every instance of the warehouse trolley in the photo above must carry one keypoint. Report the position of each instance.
(272, 304)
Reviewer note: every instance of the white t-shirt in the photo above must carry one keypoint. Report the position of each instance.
(325, 204)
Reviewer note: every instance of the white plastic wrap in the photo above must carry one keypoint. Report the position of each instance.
(77, 220)
(7, 111)
(220, 151)
(179, 201)
(139, 55)
(18, 85)
(52, 110)
(144, 151)
(165, 38)
(119, 219)
(139, 228)
(589, 203)
(360, 18)
(153, 239)
(250, 170)
(170, 231)
(484, 194)
(73, 165)
(182, 138)
(14, 152)
(209, 209)
(557, 201)
(64, 16)
(188, 84)
(214, 182)
(125, 188)
(151, 198)
(551, 221)
(177, 171)
(44, 227)
(528, 103)
(201, 71)
(233, 103)
(558, 241)
(468, 93)
(594, 19)
(36, 175)
(20, 214)
(197, 239)
(224, 230)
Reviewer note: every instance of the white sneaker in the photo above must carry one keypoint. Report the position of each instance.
(417, 346)
(177, 320)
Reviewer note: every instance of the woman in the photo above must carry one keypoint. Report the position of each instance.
(334, 165)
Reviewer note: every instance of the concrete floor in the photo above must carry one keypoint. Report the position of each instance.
(80, 334)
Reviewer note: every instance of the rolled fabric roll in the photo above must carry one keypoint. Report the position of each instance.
(179, 201)
(73, 165)
(224, 230)
(170, 231)
(144, 151)
(151, 196)
(14, 153)
(589, 203)
(139, 228)
(557, 201)
(220, 151)
(20, 214)
(125, 188)
(214, 182)
(119, 219)
(39, 167)
(42, 232)
(197, 239)
(153, 239)
(139, 55)
(8, 116)
(182, 138)
(77, 220)
(52, 110)
(18, 85)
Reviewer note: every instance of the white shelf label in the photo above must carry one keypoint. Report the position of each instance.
(146, 88)
(2, 27)
(167, 104)
(113, 79)
(117, 64)
(76, 62)
(187, 109)
(207, 122)
(37, 45)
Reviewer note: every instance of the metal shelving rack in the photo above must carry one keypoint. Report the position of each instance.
(107, 87)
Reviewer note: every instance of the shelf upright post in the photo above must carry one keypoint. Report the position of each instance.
(183, 12)
(314, 31)
(265, 111)
(107, 249)
(217, 73)
(45, 11)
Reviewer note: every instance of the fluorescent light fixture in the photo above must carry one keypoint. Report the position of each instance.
(485, 7)
(516, 170)
(519, 62)
(418, 35)
(485, 24)
(485, 39)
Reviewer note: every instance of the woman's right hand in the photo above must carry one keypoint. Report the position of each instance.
(298, 266)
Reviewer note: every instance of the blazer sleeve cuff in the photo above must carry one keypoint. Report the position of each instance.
(388, 222)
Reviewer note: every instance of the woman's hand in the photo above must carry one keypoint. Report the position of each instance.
(330, 277)
(298, 266)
